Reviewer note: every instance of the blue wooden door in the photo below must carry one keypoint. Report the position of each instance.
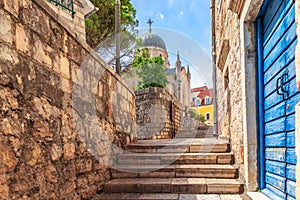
(278, 96)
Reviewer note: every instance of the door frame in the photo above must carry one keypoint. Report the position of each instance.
(260, 97)
(260, 106)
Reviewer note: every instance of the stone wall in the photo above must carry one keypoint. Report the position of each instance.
(76, 24)
(153, 114)
(63, 112)
(229, 82)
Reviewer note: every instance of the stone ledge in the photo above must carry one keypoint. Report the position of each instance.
(236, 6)
(225, 48)
(257, 196)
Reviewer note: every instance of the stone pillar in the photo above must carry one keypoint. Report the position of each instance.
(248, 63)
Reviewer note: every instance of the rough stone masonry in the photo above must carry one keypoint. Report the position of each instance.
(57, 121)
(153, 111)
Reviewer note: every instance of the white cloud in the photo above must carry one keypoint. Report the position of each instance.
(171, 1)
(193, 6)
(159, 15)
(181, 13)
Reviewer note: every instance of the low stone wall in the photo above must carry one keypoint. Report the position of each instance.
(153, 114)
(63, 112)
(192, 124)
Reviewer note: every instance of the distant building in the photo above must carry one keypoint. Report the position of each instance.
(179, 82)
(179, 77)
(202, 103)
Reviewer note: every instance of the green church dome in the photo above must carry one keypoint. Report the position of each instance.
(153, 40)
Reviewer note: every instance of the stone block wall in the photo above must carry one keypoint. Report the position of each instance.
(63, 112)
(76, 24)
(229, 78)
(153, 112)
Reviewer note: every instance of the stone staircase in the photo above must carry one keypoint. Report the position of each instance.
(201, 132)
(182, 168)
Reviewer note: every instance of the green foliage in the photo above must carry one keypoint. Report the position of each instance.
(101, 25)
(151, 70)
(196, 115)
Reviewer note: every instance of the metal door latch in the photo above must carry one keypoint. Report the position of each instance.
(281, 84)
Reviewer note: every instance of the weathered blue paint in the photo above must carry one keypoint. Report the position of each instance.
(291, 156)
(291, 172)
(292, 85)
(275, 126)
(284, 20)
(275, 112)
(287, 39)
(285, 59)
(276, 167)
(268, 14)
(274, 193)
(291, 188)
(270, 87)
(290, 198)
(277, 154)
(276, 45)
(276, 181)
(291, 104)
(276, 140)
(272, 100)
(290, 122)
(290, 139)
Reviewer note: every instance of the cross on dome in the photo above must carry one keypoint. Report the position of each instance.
(150, 22)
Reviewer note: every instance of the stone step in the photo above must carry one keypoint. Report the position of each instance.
(217, 148)
(175, 171)
(176, 158)
(195, 134)
(174, 186)
(135, 196)
(198, 135)
(203, 145)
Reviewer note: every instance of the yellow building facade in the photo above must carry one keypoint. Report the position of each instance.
(207, 111)
(202, 103)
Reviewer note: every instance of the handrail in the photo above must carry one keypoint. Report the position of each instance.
(65, 4)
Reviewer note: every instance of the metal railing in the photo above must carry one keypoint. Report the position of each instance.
(65, 4)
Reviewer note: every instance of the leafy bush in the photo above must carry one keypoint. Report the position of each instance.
(151, 70)
(195, 115)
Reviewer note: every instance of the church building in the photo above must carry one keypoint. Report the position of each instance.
(179, 77)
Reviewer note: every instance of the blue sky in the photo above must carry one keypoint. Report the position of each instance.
(189, 20)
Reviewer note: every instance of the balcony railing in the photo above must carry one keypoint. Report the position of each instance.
(65, 4)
